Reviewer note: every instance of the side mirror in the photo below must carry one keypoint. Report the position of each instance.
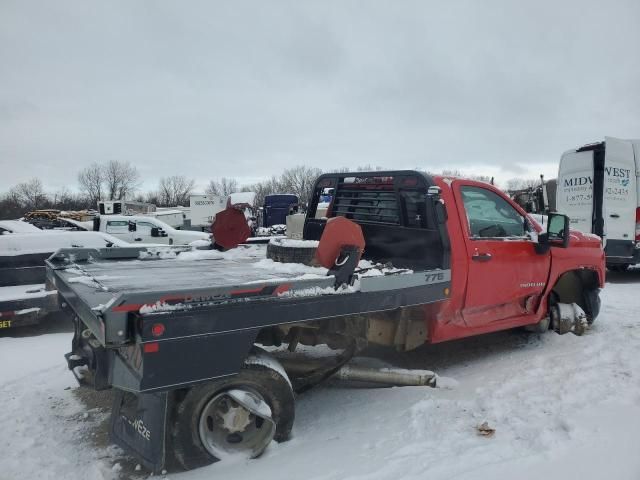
(558, 229)
(132, 226)
(155, 232)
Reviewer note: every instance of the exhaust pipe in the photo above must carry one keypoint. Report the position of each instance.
(387, 376)
(392, 377)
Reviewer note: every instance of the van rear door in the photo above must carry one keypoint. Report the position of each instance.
(620, 191)
(574, 196)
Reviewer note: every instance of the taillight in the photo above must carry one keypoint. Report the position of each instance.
(637, 224)
(157, 329)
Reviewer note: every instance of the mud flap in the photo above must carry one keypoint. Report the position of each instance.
(138, 426)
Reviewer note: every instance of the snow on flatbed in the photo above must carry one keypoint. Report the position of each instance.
(562, 407)
(188, 269)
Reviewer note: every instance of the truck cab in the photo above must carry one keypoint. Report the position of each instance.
(277, 208)
(145, 230)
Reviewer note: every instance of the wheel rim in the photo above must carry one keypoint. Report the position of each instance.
(236, 422)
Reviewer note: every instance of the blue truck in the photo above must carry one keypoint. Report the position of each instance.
(277, 207)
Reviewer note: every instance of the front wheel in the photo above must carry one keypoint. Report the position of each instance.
(592, 303)
(236, 416)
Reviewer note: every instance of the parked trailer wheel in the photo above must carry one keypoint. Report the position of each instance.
(235, 416)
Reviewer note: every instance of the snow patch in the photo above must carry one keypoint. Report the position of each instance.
(49, 241)
(91, 281)
(290, 268)
(292, 243)
(317, 291)
(20, 292)
(25, 311)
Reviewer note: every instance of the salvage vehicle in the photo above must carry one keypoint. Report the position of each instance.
(8, 227)
(23, 297)
(139, 229)
(277, 208)
(194, 342)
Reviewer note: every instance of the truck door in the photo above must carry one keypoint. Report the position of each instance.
(506, 277)
(143, 233)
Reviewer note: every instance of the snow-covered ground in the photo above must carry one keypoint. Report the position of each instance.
(561, 406)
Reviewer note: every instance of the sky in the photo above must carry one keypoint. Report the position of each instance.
(245, 89)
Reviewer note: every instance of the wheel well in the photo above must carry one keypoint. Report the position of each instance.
(571, 286)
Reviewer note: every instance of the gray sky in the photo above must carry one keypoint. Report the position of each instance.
(246, 89)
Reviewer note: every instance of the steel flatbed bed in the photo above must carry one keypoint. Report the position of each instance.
(211, 305)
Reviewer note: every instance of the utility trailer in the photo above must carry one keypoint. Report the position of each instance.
(182, 336)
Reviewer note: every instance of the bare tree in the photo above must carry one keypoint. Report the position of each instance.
(368, 168)
(360, 168)
(514, 184)
(121, 179)
(91, 180)
(175, 190)
(457, 173)
(264, 188)
(10, 206)
(223, 187)
(30, 194)
(299, 181)
(64, 199)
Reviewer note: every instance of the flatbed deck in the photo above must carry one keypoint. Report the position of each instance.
(164, 267)
(208, 301)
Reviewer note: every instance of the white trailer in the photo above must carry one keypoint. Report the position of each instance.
(124, 207)
(203, 209)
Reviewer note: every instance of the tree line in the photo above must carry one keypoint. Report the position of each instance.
(117, 180)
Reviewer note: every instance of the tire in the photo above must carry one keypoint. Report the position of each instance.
(279, 251)
(256, 375)
(592, 304)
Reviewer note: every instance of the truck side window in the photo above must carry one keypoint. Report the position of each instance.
(144, 228)
(117, 226)
(491, 216)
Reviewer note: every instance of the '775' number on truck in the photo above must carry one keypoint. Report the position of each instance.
(434, 277)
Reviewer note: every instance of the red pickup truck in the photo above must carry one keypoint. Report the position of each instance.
(181, 335)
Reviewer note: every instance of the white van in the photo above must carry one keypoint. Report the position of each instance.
(137, 229)
(598, 188)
